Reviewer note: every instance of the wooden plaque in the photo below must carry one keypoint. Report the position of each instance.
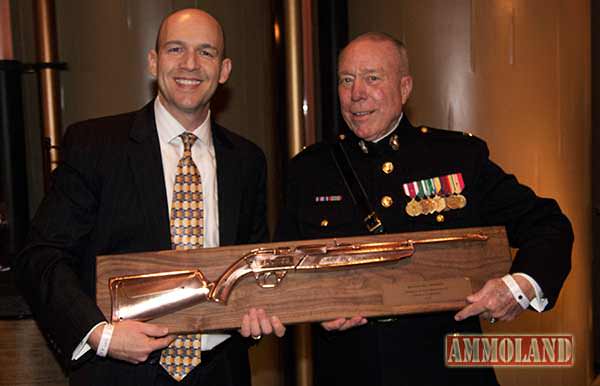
(436, 277)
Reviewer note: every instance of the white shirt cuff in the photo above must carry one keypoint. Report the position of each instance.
(209, 341)
(83, 347)
(539, 302)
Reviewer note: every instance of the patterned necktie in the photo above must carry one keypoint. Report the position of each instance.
(187, 209)
(187, 232)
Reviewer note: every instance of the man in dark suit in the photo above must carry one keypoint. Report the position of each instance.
(122, 187)
(416, 179)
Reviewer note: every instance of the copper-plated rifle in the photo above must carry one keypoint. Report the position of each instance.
(145, 297)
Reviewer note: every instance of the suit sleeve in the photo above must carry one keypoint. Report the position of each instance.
(259, 231)
(535, 225)
(47, 269)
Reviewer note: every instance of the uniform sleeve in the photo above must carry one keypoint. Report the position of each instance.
(46, 270)
(535, 225)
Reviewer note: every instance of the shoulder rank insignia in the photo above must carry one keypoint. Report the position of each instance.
(328, 198)
(435, 195)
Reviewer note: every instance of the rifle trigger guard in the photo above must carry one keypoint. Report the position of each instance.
(270, 279)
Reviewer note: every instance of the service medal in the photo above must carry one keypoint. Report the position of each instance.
(422, 190)
(413, 208)
(439, 203)
(427, 206)
(461, 201)
(456, 184)
(439, 200)
(453, 202)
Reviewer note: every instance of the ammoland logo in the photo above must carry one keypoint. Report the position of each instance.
(483, 350)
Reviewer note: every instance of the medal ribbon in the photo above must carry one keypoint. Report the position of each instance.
(424, 189)
(444, 185)
(418, 188)
(431, 187)
(409, 190)
(457, 183)
(437, 185)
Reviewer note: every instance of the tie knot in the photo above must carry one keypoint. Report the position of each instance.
(188, 141)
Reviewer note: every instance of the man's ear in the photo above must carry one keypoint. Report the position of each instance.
(153, 63)
(406, 88)
(225, 70)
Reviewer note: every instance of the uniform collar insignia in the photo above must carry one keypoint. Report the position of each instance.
(363, 146)
(394, 142)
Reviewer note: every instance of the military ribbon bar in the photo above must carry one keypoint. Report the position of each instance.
(328, 198)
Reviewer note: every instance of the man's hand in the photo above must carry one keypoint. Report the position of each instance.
(342, 324)
(496, 301)
(133, 341)
(256, 323)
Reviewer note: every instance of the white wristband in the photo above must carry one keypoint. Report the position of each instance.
(105, 340)
(516, 291)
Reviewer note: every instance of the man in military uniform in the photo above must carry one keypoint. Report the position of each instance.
(415, 179)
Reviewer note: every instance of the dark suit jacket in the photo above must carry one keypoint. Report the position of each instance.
(108, 196)
(409, 350)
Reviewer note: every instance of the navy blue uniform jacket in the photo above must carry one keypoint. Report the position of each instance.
(409, 349)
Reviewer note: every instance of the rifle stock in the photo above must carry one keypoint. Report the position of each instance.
(145, 297)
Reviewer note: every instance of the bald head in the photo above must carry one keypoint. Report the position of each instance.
(394, 46)
(189, 64)
(189, 14)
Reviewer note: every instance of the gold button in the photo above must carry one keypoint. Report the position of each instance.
(424, 130)
(440, 218)
(324, 222)
(386, 201)
(387, 167)
(342, 137)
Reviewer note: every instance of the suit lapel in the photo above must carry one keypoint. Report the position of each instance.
(147, 170)
(228, 185)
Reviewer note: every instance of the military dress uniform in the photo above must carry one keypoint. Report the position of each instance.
(408, 350)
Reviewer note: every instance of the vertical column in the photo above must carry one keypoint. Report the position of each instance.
(47, 56)
(296, 141)
(6, 44)
(294, 79)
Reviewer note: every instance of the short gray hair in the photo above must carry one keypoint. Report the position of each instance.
(384, 37)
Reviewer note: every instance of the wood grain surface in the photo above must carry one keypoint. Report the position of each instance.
(25, 358)
(374, 290)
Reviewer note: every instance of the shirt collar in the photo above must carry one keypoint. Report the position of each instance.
(169, 128)
(392, 130)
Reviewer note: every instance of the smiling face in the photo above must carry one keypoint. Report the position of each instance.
(189, 65)
(373, 85)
